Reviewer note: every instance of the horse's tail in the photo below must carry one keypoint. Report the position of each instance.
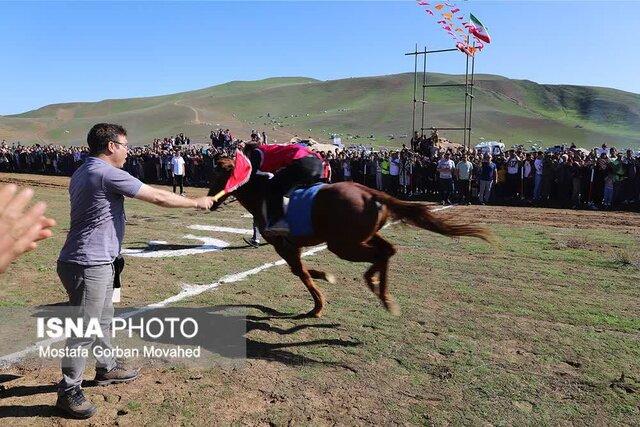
(420, 215)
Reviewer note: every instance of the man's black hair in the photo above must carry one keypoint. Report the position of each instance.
(100, 135)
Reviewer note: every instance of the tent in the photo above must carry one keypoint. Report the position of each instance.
(314, 145)
(491, 147)
(582, 150)
(309, 141)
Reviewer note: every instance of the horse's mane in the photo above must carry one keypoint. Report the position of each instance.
(226, 164)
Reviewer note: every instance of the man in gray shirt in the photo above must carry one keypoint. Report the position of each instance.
(86, 262)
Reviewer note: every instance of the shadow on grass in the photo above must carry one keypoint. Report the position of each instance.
(226, 328)
(32, 411)
(177, 247)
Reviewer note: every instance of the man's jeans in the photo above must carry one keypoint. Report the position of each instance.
(178, 181)
(537, 187)
(575, 193)
(464, 186)
(484, 192)
(90, 289)
(446, 188)
(608, 196)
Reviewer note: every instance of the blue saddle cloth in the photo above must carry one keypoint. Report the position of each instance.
(298, 214)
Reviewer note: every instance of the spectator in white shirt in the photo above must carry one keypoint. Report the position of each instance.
(394, 173)
(445, 171)
(464, 172)
(513, 177)
(538, 165)
(527, 175)
(178, 172)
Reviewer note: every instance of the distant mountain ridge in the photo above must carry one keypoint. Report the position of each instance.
(516, 111)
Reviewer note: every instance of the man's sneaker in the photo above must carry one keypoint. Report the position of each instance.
(254, 243)
(119, 374)
(280, 228)
(75, 404)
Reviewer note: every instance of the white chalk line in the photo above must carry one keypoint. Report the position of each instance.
(187, 291)
(221, 229)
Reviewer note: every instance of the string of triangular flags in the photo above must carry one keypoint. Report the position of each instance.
(470, 36)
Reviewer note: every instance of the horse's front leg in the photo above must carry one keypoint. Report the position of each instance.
(292, 257)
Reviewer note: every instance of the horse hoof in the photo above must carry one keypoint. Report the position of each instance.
(315, 313)
(331, 278)
(392, 307)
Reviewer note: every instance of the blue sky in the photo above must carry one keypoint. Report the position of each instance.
(61, 52)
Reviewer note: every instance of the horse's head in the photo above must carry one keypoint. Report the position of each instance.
(221, 174)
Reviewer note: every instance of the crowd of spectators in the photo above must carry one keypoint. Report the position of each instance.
(603, 178)
(149, 163)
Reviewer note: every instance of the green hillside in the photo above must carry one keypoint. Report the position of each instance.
(516, 111)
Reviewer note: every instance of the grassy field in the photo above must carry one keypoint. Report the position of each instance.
(542, 330)
(516, 111)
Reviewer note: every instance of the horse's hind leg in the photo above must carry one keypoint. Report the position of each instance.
(321, 275)
(292, 257)
(371, 280)
(377, 251)
(386, 250)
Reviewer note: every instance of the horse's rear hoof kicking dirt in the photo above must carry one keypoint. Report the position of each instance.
(348, 217)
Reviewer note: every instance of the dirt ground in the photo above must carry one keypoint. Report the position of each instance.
(541, 329)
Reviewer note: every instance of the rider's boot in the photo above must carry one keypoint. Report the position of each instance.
(278, 228)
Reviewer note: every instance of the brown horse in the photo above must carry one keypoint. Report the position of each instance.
(347, 216)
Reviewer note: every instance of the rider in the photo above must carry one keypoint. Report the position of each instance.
(293, 165)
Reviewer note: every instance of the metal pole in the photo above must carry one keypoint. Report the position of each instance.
(424, 83)
(473, 73)
(522, 181)
(415, 86)
(433, 51)
(466, 97)
(590, 194)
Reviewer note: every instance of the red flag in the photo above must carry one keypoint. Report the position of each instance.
(462, 47)
(241, 173)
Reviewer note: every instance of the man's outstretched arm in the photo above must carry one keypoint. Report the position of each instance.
(168, 199)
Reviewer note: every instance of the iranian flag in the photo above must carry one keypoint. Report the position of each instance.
(478, 30)
(240, 175)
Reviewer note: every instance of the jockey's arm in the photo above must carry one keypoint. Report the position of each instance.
(255, 157)
(168, 199)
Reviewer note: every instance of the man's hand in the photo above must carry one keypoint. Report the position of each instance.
(19, 230)
(204, 203)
